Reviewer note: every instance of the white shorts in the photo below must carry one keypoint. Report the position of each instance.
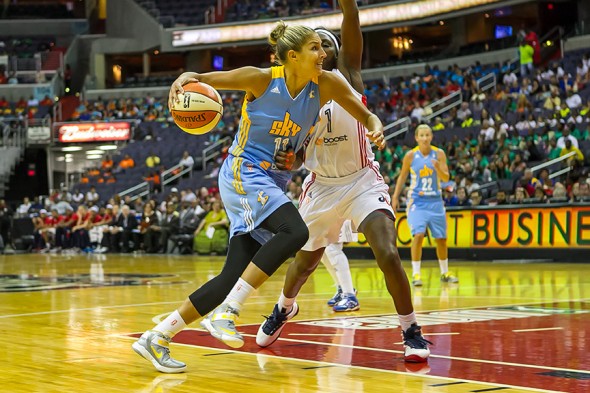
(326, 203)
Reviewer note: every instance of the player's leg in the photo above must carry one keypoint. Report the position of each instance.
(291, 234)
(379, 229)
(339, 261)
(330, 268)
(153, 344)
(418, 222)
(286, 308)
(438, 227)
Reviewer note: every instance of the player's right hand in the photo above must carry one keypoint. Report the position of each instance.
(394, 204)
(284, 160)
(177, 89)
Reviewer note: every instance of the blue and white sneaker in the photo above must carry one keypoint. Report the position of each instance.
(271, 329)
(336, 298)
(349, 302)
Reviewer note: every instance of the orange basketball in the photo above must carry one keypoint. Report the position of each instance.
(199, 110)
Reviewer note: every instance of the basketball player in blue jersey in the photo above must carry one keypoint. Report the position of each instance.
(280, 109)
(425, 208)
(345, 183)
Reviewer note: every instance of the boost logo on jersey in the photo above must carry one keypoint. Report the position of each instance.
(331, 141)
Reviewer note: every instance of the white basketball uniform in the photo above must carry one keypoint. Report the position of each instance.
(344, 182)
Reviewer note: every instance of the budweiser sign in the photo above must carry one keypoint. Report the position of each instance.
(94, 132)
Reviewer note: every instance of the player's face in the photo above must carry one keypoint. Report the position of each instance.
(330, 49)
(312, 56)
(424, 137)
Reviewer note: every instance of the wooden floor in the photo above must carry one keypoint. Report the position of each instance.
(67, 323)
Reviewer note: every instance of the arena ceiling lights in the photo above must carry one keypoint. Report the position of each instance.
(368, 17)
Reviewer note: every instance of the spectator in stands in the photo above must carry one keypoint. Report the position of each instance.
(186, 162)
(126, 163)
(565, 137)
(46, 101)
(581, 190)
(149, 218)
(519, 196)
(477, 199)
(107, 163)
(122, 233)
(212, 235)
(5, 217)
(92, 196)
(13, 80)
(501, 198)
(152, 160)
(63, 230)
(539, 195)
(529, 182)
(487, 131)
(569, 147)
(464, 112)
(154, 182)
(77, 197)
(573, 99)
(462, 199)
(168, 226)
(189, 196)
(23, 209)
(40, 223)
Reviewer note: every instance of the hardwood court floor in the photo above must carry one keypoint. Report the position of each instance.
(67, 323)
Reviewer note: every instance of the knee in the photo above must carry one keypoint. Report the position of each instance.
(387, 256)
(305, 268)
(299, 234)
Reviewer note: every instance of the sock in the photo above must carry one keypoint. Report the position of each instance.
(415, 267)
(239, 293)
(444, 266)
(407, 320)
(330, 270)
(339, 262)
(285, 303)
(171, 325)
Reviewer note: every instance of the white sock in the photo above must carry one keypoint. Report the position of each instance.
(239, 293)
(171, 325)
(407, 320)
(330, 269)
(416, 267)
(339, 262)
(285, 303)
(444, 266)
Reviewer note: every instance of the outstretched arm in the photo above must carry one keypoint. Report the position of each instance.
(334, 88)
(249, 79)
(351, 54)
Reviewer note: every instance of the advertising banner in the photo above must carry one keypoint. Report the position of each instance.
(93, 132)
(38, 135)
(539, 227)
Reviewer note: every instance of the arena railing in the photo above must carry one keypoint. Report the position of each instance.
(142, 188)
(444, 104)
(554, 161)
(486, 82)
(212, 151)
(168, 180)
(400, 126)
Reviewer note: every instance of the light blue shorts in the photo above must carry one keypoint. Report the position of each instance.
(424, 214)
(250, 194)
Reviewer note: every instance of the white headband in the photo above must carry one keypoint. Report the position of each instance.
(332, 37)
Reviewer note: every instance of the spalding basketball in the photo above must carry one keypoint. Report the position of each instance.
(199, 110)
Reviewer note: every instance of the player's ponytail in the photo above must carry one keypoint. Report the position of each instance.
(284, 38)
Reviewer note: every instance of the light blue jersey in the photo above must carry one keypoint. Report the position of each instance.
(425, 206)
(250, 185)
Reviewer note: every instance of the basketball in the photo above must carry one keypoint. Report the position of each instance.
(199, 110)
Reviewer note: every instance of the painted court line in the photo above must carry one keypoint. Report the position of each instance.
(406, 374)
(537, 330)
(522, 365)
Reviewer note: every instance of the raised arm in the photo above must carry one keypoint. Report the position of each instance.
(334, 88)
(250, 79)
(351, 53)
(401, 179)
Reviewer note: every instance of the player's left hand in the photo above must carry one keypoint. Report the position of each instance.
(376, 136)
(284, 160)
(436, 164)
(177, 89)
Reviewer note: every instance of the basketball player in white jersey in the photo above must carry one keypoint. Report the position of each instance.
(345, 183)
